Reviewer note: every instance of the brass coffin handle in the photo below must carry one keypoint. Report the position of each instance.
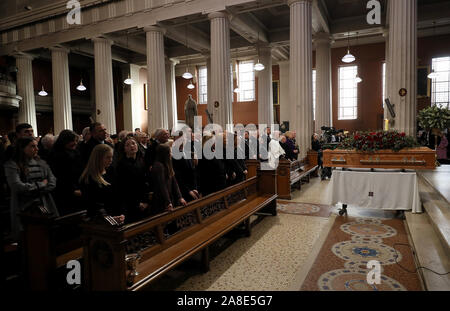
(414, 162)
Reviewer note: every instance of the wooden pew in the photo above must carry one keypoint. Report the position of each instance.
(49, 243)
(252, 168)
(166, 240)
(290, 174)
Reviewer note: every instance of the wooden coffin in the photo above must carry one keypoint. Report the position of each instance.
(421, 158)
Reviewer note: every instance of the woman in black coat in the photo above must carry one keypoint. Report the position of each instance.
(65, 162)
(166, 195)
(186, 175)
(212, 174)
(132, 182)
(98, 186)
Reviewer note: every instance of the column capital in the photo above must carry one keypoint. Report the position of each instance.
(172, 61)
(154, 28)
(102, 40)
(221, 14)
(59, 48)
(291, 2)
(322, 38)
(22, 55)
(206, 55)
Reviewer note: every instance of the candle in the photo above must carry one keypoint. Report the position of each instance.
(386, 125)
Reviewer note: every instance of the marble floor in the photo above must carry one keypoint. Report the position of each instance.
(277, 256)
(439, 179)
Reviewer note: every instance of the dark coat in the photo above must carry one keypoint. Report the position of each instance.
(67, 168)
(186, 175)
(102, 200)
(166, 190)
(86, 149)
(134, 188)
(212, 175)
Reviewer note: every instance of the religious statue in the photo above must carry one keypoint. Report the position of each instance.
(190, 111)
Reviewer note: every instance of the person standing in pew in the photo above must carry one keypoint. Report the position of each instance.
(166, 193)
(31, 181)
(132, 182)
(65, 162)
(212, 174)
(98, 185)
(99, 136)
(185, 173)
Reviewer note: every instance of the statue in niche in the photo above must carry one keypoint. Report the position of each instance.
(190, 111)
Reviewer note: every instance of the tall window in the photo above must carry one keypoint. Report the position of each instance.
(202, 85)
(246, 81)
(441, 85)
(384, 84)
(314, 92)
(348, 93)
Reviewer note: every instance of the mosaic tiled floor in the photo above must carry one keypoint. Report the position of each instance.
(267, 260)
(306, 209)
(351, 244)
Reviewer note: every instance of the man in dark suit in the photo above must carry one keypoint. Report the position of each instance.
(161, 137)
(98, 136)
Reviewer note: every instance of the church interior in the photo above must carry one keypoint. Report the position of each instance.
(336, 114)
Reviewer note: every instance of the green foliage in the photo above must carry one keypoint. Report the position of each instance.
(434, 117)
(373, 141)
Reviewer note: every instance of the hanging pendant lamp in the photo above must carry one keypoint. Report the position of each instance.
(43, 92)
(191, 86)
(348, 58)
(81, 87)
(258, 66)
(128, 80)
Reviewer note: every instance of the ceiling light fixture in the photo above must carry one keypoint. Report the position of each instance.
(258, 66)
(433, 75)
(191, 86)
(348, 58)
(128, 80)
(43, 92)
(187, 75)
(81, 87)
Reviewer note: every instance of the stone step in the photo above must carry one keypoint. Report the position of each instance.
(429, 252)
(438, 211)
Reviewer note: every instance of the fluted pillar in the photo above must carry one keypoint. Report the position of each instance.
(156, 77)
(25, 89)
(387, 115)
(300, 74)
(210, 103)
(172, 113)
(132, 98)
(285, 102)
(402, 63)
(220, 69)
(104, 92)
(323, 81)
(62, 106)
(265, 92)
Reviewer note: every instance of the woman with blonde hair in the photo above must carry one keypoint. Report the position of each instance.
(98, 186)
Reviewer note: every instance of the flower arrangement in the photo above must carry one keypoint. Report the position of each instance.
(434, 117)
(380, 140)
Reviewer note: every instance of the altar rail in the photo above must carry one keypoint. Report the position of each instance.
(166, 240)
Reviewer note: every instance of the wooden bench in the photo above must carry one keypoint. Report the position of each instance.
(290, 174)
(49, 243)
(166, 240)
(252, 167)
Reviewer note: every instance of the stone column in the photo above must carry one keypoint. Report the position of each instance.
(210, 104)
(62, 106)
(172, 113)
(220, 69)
(300, 74)
(323, 81)
(387, 115)
(265, 92)
(403, 63)
(285, 102)
(156, 78)
(27, 107)
(132, 98)
(104, 92)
